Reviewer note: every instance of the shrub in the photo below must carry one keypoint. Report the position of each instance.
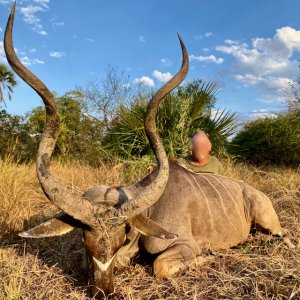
(16, 141)
(80, 135)
(269, 141)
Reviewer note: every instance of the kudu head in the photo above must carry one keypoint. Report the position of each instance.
(103, 213)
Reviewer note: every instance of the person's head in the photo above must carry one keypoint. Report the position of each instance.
(201, 146)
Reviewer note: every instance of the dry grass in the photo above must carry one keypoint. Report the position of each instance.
(262, 268)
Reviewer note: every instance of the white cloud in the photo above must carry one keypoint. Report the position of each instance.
(254, 61)
(144, 80)
(162, 77)
(42, 2)
(28, 62)
(248, 79)
(56, 24)
(166, 62)
(261, 114)
(142, 39)
(2, 53)
(277, 82)
(209, 59)
(269, 81)
(5, 2)
(22, 56)
(42, 32)
(29, 13)
(202, 36)
(20, 53)
(215, 113)
(29, 16)
(285, 41)
(267, 62)
(88, 40)
(57, 54)
(231, 42)
(33, 50)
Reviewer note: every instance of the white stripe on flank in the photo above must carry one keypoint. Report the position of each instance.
(238, 210)
(222, 202)
(207, 203)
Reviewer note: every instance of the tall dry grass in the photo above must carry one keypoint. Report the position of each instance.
(262, 268)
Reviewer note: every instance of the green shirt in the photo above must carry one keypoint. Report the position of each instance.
(213, 166)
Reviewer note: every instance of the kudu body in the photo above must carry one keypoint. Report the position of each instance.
(172, 212)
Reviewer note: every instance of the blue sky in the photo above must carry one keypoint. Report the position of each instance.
(250, 47)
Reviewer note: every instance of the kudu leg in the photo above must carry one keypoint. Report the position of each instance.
(267, 219)
(172, 259)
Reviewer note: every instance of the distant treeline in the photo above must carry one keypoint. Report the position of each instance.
(99, 125)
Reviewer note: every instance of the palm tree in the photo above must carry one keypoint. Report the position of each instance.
(7, 81)
(179, 116)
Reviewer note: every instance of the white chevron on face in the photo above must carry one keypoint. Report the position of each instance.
(103, 266)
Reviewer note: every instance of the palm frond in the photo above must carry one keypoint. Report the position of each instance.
(7, 81)
(178, 117)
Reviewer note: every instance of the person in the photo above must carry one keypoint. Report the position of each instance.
(200, 160)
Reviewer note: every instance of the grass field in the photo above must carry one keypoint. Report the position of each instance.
(262, 268)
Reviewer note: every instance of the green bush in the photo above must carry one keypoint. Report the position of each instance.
(269, 141)
(16, 142)
(80, 135)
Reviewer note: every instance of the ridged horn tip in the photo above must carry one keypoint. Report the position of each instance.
(13, 9)
(8, 43)
(179, 36)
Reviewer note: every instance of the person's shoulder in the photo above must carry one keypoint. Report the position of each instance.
(214, 159)
(217, 163)
(185, 159)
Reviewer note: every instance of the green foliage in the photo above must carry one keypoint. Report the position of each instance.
(269, 141)
(15, 139)
(89, 139)
(179, 116)
(7, 81)
(80, 136)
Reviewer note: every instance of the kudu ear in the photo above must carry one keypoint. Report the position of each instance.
(148, 227)
(56, 226)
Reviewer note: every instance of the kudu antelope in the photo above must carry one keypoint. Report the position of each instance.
(172, 212)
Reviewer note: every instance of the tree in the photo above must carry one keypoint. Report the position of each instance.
(14, 136)
(179, 116)
(80, 136)
(102, 100)
(292, 95)
(7, 81)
